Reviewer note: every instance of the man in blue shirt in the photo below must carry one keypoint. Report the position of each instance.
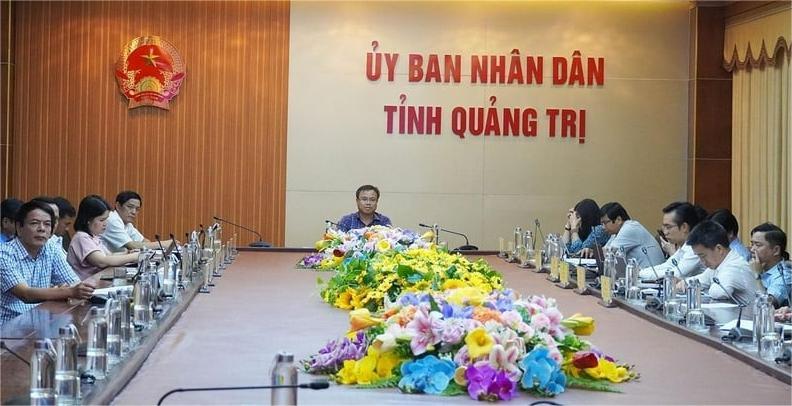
(32, 271)
(8, 210)
(771, 262)
(367, 197)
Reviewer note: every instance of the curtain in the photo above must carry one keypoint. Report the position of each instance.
(759, 59)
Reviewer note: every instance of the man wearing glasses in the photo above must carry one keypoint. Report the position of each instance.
(367, 197)
(32, 270)
(630, 235)
(121, 234)
(679, 218)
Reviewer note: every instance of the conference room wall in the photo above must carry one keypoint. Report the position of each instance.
(220, 150)
(636, 145)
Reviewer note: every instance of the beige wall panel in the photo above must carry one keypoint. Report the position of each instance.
(636, 123)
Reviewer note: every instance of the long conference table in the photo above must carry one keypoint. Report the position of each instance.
(262, 305)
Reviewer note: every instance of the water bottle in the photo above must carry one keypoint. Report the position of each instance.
(284, 372)
(517, 243)
(632, 291)
(42, 374)
(761, 306)
(113, 316)
(67, 377)
(96, 350)
(694, 319)
(771, 343)
(126, 327)
(168, 278)
(142, 302)
(671, 305)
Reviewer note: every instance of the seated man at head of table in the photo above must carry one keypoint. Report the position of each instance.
(771, 262)
(121, 234)
(367, 197)
(630, 235)
(8, 209)
(31, 270)
(679, 218)
(727, 274)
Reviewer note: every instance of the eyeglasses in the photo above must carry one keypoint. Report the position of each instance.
(132, 207)
(669, 226)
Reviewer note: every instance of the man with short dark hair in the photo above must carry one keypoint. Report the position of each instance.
(726, 219)
(8, 211)
(55, 240)
(679, 218)
(771, 262)
(31, 269)
(67, 216)
(367, 197)
(121, 234)
(711, 244)
(630, 235)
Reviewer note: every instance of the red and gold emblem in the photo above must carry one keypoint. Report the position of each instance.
(149, 72)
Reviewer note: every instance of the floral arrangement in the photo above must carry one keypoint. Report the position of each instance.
(374, 282)
(363, 243)
(488, 345)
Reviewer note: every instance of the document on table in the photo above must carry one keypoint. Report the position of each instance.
(587, 262)
(105, 291)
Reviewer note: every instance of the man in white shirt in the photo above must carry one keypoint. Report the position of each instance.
(630, 235)
(711, 244)
(121, 234)
(679, 218)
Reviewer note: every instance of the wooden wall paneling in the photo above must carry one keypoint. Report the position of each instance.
(220, 150)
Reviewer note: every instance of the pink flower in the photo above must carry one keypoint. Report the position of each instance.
(540, 321)
(453, 331)
(426, 329)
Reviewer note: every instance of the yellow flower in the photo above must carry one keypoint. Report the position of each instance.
(609, 370)
(383, 245)
(459, 376)
(453, 284)
(428, 236)
(321, 245)
(347, 374)
(581, 325)
(360, 319)
(387, 362)
(364, 370)
(462, 296)
(344, 300)
(479, 343)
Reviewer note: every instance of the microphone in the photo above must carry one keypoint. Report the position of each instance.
(176, 247)
(255, 244)
(315, 385)
(157, 237)
(734, 334)
(5, 347)
(202, 236)
(646, 254)
(676, 265)
(537, 232)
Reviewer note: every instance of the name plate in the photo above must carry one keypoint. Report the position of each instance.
(580, 277)
(606, 286)
(554, 267)
(563, 274)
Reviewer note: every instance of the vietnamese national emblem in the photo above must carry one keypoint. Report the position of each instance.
(149, 72)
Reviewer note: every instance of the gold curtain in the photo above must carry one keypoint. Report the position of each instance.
(756, 51)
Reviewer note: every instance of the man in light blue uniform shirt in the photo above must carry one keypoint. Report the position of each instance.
(771, 262)
(630, 235)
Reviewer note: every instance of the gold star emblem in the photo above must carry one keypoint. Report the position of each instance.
(151, 58)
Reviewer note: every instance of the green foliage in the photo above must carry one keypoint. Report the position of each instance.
(391, 382)
(590, 384)
(454, 389)
(571, 344)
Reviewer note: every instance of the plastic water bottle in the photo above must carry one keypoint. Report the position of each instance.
(96, 351)
(113, 316)
(284, 372)
(42, 374)
(67, 378)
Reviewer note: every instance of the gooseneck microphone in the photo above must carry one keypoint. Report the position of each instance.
(734, 334)
(157, 237)
(466, 247)
(316, 385)
(646, 254)
(255, 244)
(537, 232)
(176, 246)
(17, 356)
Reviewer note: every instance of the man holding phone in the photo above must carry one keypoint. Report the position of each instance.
(679, 218)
